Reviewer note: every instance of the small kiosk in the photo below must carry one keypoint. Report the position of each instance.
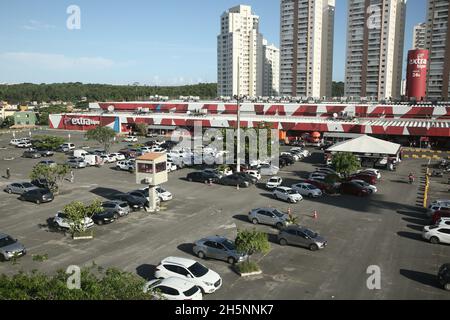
(151, 169)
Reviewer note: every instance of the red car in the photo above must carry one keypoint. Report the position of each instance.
(354, 188)
(440, 214)
(370, 179)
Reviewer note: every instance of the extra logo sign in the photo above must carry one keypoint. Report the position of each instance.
(84, 122)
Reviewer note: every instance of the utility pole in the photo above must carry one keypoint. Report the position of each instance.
(238, 123)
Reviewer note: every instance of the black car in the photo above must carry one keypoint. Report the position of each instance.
(33, 154)
(247, 177)
(444, 276)
(201, 176)
(288, 159)
(45, 152)
(37, 195)
(234, 180)
(134, 202)
(41, 183)
(104, 217)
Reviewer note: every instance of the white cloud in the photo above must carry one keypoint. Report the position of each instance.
(58, 62)
(37, 25)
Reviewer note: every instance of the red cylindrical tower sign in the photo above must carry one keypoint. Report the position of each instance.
(416, 74)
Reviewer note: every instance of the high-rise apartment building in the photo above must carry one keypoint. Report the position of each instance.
(306, 49)
(375, 41)
(419, 36)
(438, 44)
(239, 53)
(271, 70)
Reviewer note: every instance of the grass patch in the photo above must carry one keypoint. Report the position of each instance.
(247, 267)
(40, 258)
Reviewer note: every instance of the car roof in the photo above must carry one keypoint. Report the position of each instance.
(284, 188)
(3, 235)
(179, 261)
(175, 282)
(114, 201)
(214, 238)
(275, 177)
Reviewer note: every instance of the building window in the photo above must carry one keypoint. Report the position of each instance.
(161, 167)
(145, 168)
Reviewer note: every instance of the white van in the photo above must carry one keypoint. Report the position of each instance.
(80, 153)
(93, 160)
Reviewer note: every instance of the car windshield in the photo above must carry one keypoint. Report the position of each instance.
(6, 241)
(123, 205)
(290, 191)
(273, 180)
(229, 244)
(310, 233)
(278, 213)
(27, 185)
(191, 291)
(198, 270)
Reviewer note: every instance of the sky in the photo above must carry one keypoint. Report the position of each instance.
(152, 42)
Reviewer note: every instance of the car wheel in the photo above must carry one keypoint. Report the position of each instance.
(9, 191)
(434, 240)
(255, 221)
(201, 255)
(100, 222)
(283, 242)
(190, 179)
(38, 201)
(313, 247)
(447, 286)
(231, 260)
(292, 200)
(116, 216)
(279, 225)
(310, 195)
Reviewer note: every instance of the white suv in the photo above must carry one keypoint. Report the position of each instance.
(190, 270)
(274, 182)
(287, 194)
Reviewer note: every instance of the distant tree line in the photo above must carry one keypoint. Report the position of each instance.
(337, 89)
(75, 92)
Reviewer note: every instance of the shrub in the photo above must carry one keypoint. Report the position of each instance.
(247, 267)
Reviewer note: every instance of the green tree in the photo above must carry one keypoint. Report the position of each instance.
(53, 175)
(76, 211)
(7, 122)
(44, 113)
(345, 163)
(251, 242)
(337, 89)
(103, 135)
(96, 284)
(48, 142)
(141, 129)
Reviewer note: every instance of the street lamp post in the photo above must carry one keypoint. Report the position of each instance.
(238, 137)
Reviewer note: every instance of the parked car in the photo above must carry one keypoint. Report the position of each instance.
(65, 147)
(440, 214)
(287, 194)
(444, 276)
(33, 154)
(24, 144)
(234, 180)
(443, 222)
(117, 156)
(62, 221)
(174, 288)
(246, 177)
(268, 170)
(37, 196)
(10, 248)
(436, 234)
(104, 217)
(353, 188)
(218, 248)
(133, 202)
(171, 166)
(369, 178)
(76, 163)
(49, 163)
(41, 183)
(19, 187)
(45, 152)
(440, 202)
(327, 171)
(120, 208)
(439, 207)
(289, 160)
(364, 184)
(274, 182)
(15, 142)
(125, 165)
(374, 172)
(269, 216)
(202, 176)
(130, 139)
(301, 236)
(318, 175)
(107, 159)
(307, 189)
(254, 173)
(190, 270)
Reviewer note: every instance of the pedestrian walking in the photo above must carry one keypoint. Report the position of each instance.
(72, 176)
(8, 173)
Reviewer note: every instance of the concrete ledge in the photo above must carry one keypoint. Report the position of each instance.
(250, 273)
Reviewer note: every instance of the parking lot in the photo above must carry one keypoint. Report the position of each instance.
(383, 230)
